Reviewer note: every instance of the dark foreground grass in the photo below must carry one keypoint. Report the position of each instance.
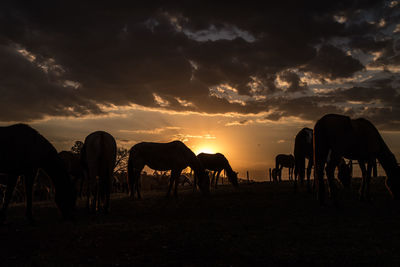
(259, 224)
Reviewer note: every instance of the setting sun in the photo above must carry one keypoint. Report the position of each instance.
(205, 149)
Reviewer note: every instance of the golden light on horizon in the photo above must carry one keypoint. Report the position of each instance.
(205, 149)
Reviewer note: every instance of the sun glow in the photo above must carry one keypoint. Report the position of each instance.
(205, 149)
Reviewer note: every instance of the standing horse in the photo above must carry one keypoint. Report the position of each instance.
(216, 163)
(303, 149)
(23, 151)
(273, 174)
(337, 136)
(174, 156)
(98, 156)
(286, 161)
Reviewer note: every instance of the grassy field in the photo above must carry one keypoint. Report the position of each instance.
(258, 224)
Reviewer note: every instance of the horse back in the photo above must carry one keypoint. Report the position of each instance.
(213, 162)
(161, 156)
(99, 152)
(23, 148)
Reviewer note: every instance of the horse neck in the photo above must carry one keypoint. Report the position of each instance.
(228, 168)
(57, 172)
(386, 158)
(194, 163)
(388, 161)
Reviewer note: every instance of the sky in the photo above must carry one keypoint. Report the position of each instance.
(239, 79)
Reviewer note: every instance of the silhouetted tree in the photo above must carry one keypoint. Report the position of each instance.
(121, 164)
(77, 147)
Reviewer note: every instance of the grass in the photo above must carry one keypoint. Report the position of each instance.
(258, 224)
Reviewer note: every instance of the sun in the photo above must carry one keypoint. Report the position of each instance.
(205, 149)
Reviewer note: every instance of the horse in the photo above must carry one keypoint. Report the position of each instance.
(98, 157)
(23, 151)
(174, 156)
(286, 161)
(216, 163)
(303, 149)
(75, 168)
(273, 175)
(337, 136)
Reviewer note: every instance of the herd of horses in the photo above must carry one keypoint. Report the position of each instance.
(24, 151)
(334, 138)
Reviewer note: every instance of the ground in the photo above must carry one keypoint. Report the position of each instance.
(257, 224)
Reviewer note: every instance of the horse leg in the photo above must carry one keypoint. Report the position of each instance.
(217, 178)
(330, 173)
(309, 168)
(176, 179)
(11, 182)
(213, 179)
(107, 189)
(138, 184)
(296, 177)
(319, 180)
(29, 179)
(370, 167)
(361, 163)
(171, 181)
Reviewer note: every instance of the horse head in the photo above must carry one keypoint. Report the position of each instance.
(65, 198)
(344, 173)
(233, 178)
(393, 182)
(203, 182)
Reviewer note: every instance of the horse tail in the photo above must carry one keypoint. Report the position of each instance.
(131, 177)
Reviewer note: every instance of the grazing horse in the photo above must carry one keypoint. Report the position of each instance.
(174, 156)
(303, 149)
(286, 161)
(216, 163)
(75, 168)
(337, 136)
(98, 156)
(23, 151)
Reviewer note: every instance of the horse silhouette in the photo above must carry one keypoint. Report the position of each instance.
(273, 174)
(98, 156)
(303, 149)
(337, 136)
(23, 152)
(282, 161)
(174, 156)
(75, 168)
(216, 163)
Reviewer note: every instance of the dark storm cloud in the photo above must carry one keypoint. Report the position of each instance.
(333, 63)
(120, 55)
(28, 93)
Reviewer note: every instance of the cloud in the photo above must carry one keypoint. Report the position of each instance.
(77, 60)
(333, 63)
